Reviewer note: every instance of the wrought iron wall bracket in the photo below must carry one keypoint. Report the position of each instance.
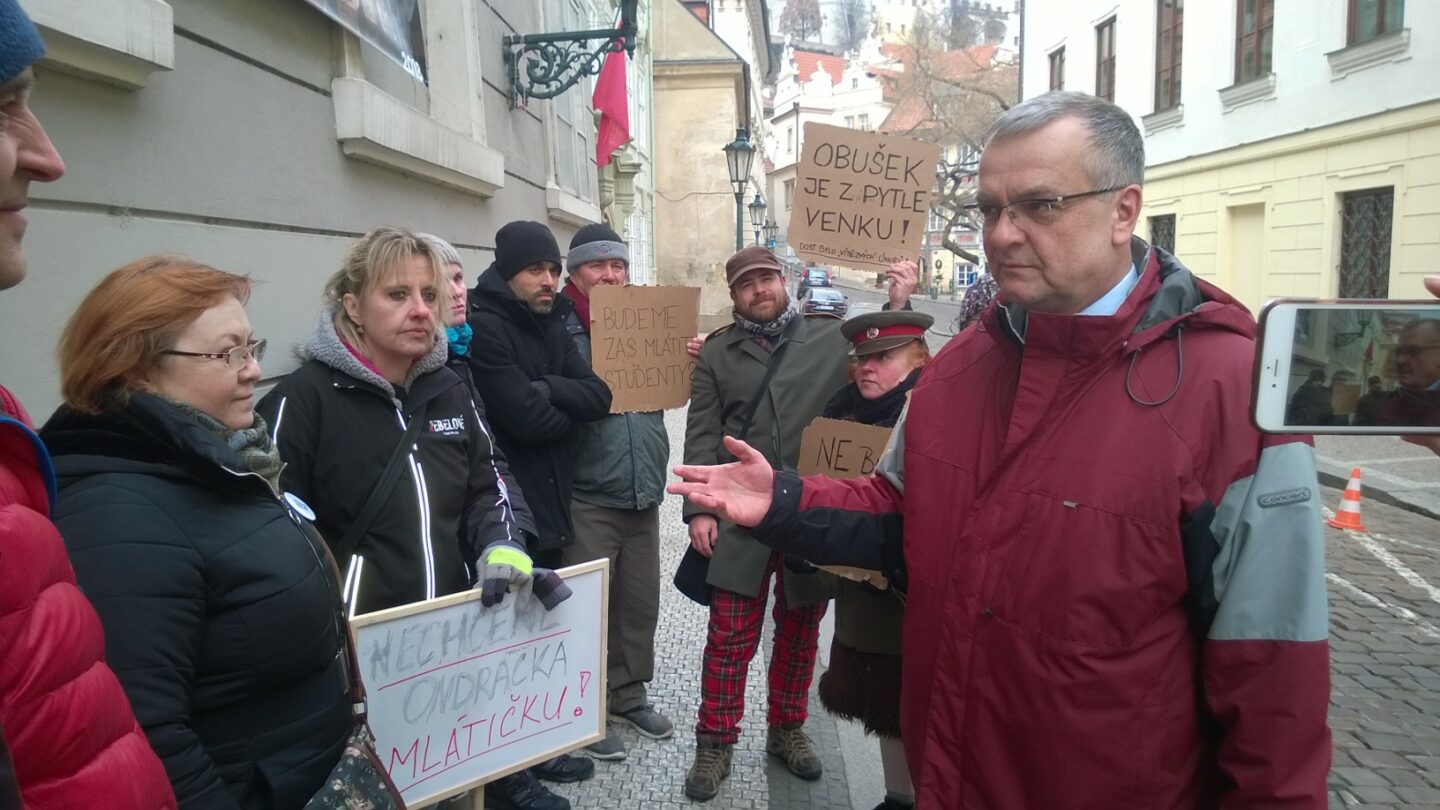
(546, 65)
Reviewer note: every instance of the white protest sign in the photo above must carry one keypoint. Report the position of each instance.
(460, 694)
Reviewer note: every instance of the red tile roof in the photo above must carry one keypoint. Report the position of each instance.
(807, 61)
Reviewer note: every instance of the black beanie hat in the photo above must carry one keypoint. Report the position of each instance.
(596, 242)
(522, 243)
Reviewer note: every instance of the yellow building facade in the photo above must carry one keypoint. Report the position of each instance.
(1267, 219)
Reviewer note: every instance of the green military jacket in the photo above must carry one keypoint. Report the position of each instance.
(729, 371)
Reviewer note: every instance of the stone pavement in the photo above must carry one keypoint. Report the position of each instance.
(654, 773)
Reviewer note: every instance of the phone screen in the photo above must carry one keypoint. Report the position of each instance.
(1349, 367)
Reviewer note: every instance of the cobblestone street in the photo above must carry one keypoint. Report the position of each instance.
(1385, 702)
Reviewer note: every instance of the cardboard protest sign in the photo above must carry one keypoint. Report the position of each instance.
(460, 694)
(842, 449)
(862, 198)
(637, 344)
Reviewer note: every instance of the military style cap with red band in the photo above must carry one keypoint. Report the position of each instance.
(880, 331)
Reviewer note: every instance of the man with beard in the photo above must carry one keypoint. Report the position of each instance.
(537, 389)
(765, 377)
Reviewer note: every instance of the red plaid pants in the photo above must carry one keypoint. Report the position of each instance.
(735, 624)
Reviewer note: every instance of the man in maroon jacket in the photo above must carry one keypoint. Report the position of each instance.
(1116, 584)
(73, 741)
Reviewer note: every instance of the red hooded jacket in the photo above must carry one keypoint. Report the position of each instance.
(1116, 584)
(73, 738)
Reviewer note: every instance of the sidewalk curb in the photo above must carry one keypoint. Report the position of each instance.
(1386, 489)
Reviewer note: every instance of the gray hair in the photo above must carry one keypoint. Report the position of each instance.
(446, 250)
(1117, 154)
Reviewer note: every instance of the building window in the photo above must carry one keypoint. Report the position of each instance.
(1105, 60)
(574, 128)
(855, 84)
(1365, 223)
(1371, 18)
(1057, 70)
(1254, 31)
(790, 140)
(1169, 17)
(864, 121)
(789, 193)
(849, 122)
(1162, 232)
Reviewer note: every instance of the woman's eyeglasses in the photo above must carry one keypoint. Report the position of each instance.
(236, 358)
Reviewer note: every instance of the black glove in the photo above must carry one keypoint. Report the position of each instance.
(549, 588)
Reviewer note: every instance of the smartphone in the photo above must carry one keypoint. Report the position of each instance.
(1348, 366)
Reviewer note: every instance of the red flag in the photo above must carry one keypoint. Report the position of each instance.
(612, 101)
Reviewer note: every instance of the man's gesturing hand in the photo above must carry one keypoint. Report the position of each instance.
(738, 492)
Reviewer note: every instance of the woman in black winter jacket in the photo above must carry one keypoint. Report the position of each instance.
(375, 364)
(221, 610)
(863, 679)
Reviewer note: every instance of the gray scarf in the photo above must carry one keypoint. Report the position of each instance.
(326, 346)
(769, 330)
(252, 445)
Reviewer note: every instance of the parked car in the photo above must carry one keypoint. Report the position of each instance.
(816, 277)
(826, 299)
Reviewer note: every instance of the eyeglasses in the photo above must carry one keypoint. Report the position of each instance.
(1403, 350)
(1040, 211)
(234, 359)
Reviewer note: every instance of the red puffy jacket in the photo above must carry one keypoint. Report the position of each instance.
(1116, 585)
(72, 735)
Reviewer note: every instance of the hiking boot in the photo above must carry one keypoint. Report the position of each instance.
(647, 721)
(565, 769)
(790, 744)
(712, 765)
(521, 791)
(612, 748)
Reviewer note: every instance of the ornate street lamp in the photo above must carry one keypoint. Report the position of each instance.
(739, 154)
(757, 215)
(772, 232)
(556, 62)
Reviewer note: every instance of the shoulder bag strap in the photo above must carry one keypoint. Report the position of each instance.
(381, 493)
(754, 405)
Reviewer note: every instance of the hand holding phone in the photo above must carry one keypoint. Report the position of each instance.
(1349, 366)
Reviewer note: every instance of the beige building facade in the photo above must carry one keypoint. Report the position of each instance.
(260, 137)
(704, 91)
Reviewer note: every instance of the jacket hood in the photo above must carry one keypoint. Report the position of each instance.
(492, 294)
(325, 346)
(1167, 296)
(23, 460)
(146, 434)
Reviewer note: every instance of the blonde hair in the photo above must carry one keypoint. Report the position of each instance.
(373, 259)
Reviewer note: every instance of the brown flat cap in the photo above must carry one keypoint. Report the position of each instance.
(876, 332)
(754, 257)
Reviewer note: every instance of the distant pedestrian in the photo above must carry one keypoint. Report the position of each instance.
(620, 467)
(977, 298)
(71, 733)
(863, 680)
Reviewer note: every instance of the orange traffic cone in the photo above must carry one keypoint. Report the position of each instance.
(1348, 516)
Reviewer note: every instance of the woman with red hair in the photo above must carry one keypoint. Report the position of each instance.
(221, 608)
